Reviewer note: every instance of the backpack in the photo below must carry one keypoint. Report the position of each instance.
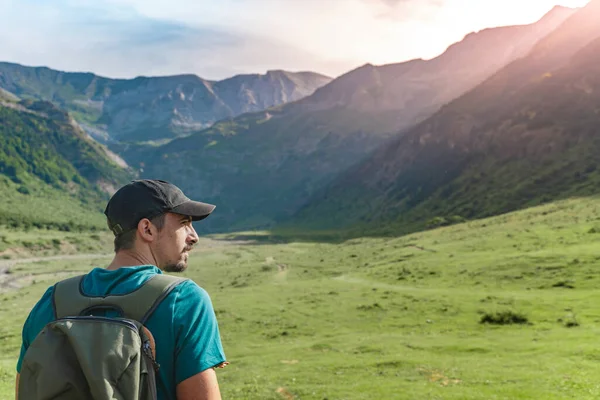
(82, 356)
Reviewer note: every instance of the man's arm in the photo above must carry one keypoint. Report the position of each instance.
(17, 386)
(198, 348)
(202, 386)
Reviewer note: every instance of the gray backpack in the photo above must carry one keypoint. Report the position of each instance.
(81, 356)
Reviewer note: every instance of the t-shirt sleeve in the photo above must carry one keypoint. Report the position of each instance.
(197, 338)
(40, 315)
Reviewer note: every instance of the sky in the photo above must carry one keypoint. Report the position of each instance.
(221, 38)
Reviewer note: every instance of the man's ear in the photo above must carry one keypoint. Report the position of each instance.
(146, 230)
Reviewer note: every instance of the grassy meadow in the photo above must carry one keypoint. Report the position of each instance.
(35, 242)
(391, 318)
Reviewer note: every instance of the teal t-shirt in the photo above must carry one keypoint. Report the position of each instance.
(184, 325)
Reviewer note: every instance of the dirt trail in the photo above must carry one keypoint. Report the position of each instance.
(281, 268)
(7, 264)
(9, 280)
(14, 281)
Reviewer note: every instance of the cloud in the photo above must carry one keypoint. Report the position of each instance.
(120, 42)
(126, 38)
(396, 3)
(409, 10)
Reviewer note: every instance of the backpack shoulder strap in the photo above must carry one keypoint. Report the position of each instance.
(68, 298)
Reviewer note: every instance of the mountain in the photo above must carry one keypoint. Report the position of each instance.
(414, 90)
(527, 135)
(154, 108)
(261, 167)
(52, 174)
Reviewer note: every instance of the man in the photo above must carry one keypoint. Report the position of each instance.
(152, 223)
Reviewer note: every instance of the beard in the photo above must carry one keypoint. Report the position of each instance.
(180, 265)
(177, 267)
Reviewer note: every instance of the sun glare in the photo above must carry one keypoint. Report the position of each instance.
(468, 13)
(456, 18)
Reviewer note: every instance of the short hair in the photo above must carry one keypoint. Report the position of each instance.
(126, 240)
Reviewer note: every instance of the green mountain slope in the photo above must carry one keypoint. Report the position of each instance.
(52, 174)
(154, 108)
(527, 135)
(7, 96)
(261, 167)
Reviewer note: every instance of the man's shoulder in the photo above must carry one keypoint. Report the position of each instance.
(188, 293)
(45, 302)
(41, 314)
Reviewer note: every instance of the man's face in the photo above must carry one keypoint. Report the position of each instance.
(174, 242)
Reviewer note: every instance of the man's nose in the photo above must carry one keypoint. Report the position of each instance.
(193, 236)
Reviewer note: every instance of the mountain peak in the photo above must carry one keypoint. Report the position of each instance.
(153, 107)
(557, 12)
(275, 72)
(559, 9)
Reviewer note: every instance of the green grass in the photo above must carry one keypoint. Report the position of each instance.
(394, 318)
(19, 243)
(44, 206)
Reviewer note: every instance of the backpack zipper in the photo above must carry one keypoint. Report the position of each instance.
(90, 318)
(148, 353)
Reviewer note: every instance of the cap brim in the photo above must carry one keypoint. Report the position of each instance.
(194, 209)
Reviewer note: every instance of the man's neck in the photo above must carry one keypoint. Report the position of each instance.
(130, 258)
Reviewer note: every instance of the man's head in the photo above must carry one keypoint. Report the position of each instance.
(154, 217)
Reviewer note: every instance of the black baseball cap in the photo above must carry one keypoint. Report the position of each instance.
(148, 198)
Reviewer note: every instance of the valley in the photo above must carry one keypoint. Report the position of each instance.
(393, 318)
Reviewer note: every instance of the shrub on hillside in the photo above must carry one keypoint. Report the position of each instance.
(594, 229)
(437, 222)
(23, 190)
(504, 318)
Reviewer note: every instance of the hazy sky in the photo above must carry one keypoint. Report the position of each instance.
(220, 38)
